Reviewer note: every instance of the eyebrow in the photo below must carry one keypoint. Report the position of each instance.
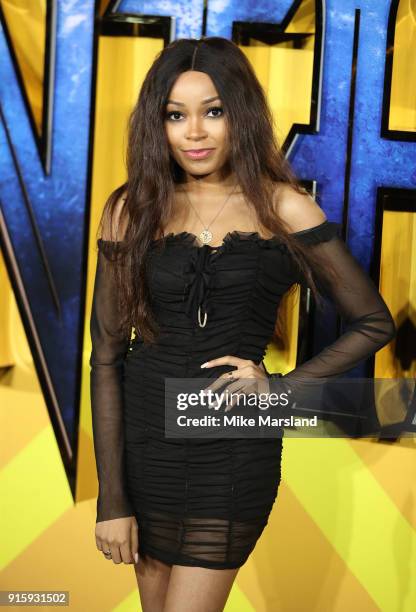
(206, 101)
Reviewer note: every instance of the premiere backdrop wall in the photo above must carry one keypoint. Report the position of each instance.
(340, 78)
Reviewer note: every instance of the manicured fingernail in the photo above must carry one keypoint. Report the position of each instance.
(204, 365)
(136, 557)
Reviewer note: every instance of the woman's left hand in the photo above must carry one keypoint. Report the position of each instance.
(246, 368)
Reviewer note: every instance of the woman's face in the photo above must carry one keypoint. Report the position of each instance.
(194, 122)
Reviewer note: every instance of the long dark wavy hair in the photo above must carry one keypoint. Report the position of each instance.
(152, 173)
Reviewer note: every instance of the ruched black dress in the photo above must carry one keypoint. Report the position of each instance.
(206, 502)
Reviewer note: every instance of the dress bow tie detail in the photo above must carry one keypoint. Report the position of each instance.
(201, 268)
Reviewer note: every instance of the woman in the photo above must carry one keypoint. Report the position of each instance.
(196, 250)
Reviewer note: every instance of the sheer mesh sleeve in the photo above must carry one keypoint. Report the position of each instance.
(369, 324)
(107, 361)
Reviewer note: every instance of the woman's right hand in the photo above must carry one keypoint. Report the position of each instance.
(120, 537)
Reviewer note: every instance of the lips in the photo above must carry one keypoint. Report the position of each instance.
(198, 153)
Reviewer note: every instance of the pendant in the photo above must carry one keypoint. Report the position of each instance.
(205, 236)
(199, 318)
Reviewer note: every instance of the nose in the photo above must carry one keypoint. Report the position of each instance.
(195, 128)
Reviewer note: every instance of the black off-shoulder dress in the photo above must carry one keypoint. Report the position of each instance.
(206, 502)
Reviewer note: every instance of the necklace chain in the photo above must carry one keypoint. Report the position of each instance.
(206, 235)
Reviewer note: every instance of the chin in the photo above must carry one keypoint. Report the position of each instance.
(206, 170)
(202, 168)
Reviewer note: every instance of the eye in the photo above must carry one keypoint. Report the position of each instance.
(170, 115)
(216, 108)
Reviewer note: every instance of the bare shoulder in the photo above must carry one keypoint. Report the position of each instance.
(297, 211)
(115, 217)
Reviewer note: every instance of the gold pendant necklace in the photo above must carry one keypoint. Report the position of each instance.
(206, 235)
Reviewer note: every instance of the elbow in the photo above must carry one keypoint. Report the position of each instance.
(103, 357)
(389, 329)
(392, 330)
